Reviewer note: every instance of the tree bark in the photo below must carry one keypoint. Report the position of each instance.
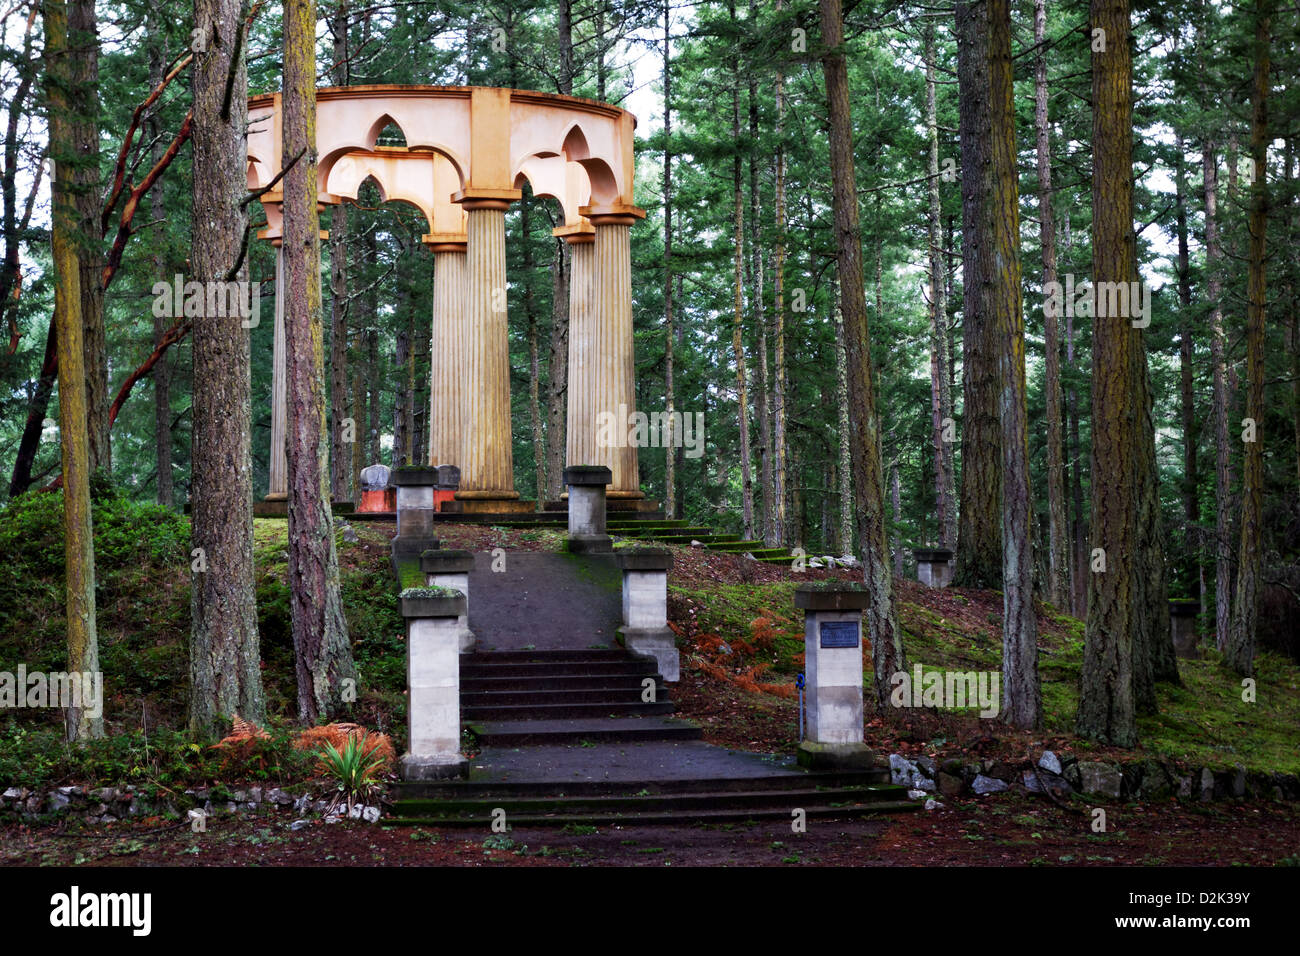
(1241, 643)
(322, 650)
(670, 456)
(63, 80)
(1022, 703)
(225, 671)
(940, 392)
(1106, 700)
(738, 308)
(1058, 535)
(1186, 356)
(779, 389)
(868, 477)
(979, 537)
(340, 457)
(162, 370)
(83, 103)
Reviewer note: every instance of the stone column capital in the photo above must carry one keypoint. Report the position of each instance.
(576, 234)
(479, 197)
(445, 241)
(613, 214)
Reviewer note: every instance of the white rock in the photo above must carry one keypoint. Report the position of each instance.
(933, 804)
(1049, 761)
(984, 785)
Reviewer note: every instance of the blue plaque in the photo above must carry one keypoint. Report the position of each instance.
(839, 634)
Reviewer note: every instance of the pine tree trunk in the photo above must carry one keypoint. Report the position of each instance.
(779, 390)
(340, 453)
(979, 536)
(1241, 643)
(761, 400)
(225, 659)
(1186, 353)
(844, 435)
(1022, 703)
(896, 498)
(83, 102)
(1106, 700)
(670, 456)
(401, 400)
(1058, 535)
(162, 371)
(738, 311)
(940, 393)
(322, 649)
(62, 82)
(868, 477)
(557, 384)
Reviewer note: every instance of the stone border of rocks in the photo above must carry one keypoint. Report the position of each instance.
(1146, 779)
(112, 804)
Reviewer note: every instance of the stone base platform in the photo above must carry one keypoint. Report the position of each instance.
(279, 508)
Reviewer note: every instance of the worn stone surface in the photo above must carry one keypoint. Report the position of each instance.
(985, 785)
(1100, 779)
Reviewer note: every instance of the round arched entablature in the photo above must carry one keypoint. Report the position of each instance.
(596, 135)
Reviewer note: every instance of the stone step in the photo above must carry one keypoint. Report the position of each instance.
(671, 816)
(627, 694)
(629, 666)
(638, 786)
(735, 547)
(624, 682)
(578, 656)
(708, 540)
(631, 800)
(534, 711)
(516, 733)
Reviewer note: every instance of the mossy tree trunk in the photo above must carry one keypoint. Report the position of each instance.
(1241, 643)
(225, 672)
(868, 476)
(322, 649)
(1106, 701)
(78, 530)
(1058, 534)
(979, 530)
(1022, 701)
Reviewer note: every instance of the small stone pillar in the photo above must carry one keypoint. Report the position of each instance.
(444, 488)
(833, 663)
(450, 569)
(587, 508)
(376, 495)
(414, 510)
(1182, 628)
(645, 631)
(933, 566)
(433, 683)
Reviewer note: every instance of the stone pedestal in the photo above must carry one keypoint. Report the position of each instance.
(933, 566)
(377, 494)
(645, 631)
(433, 683)
(586, 485)
(415, 484)
(1182, 628)
(450, 569)
(444, 489)
(833, 676)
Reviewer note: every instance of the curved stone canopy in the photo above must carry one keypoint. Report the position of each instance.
(462, 144)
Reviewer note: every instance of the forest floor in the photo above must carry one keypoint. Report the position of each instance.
(1003, 830)
(742, 645)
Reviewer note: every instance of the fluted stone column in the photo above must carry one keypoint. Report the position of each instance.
(584, 398)
(610, 329)
(487, 454)
(448, 385)
(278, 489)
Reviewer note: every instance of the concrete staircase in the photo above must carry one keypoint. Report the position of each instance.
(568, 737)
(514, 698)
(645, 801)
